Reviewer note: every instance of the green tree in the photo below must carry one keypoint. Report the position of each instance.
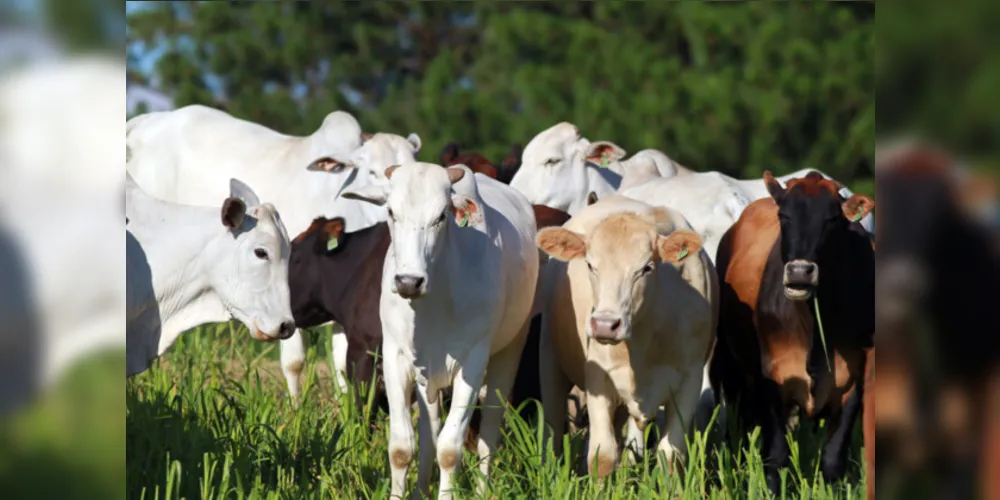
(739, 88)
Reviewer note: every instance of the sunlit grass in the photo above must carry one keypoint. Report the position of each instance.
(212, 420)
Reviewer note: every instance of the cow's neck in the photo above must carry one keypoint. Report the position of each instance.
(455, 274)
(186, 298)
(368, 243)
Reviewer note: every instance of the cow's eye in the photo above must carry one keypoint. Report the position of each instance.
(391, 216)
(552, 161)
(648, 268)
(590, 267)
(440, 219)
(260, 253)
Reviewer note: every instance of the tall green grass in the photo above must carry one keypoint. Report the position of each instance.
(212, 420)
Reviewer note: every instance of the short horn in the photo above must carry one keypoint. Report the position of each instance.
(390, 170)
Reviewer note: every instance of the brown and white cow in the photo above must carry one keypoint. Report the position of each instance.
(630, 319)
(803, 242)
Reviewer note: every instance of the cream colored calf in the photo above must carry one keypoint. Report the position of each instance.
(632, 314)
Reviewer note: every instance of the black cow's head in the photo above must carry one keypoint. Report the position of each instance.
(810, 211)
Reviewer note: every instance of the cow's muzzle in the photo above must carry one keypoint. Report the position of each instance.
(408, 286)
(801, 279)
(606, 330)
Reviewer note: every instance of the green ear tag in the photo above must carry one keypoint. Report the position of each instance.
(604, 160)
(464, 220)
(856, 217)
(243, 200)
(684, 253)
(331, 244)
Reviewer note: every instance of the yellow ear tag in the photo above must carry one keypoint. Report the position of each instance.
(331, 244)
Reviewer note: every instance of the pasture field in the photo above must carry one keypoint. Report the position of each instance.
(212, 420)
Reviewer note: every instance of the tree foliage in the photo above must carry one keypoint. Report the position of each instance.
(738, 87)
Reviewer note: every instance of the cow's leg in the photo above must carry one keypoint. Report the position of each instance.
(293, 360)
(430, 427)
(680, 412)
(834, 458)
(773, 417)
(602, 451)
(361, 369)
(555, 386)
(868, 420)
(500, 374)
(398, 375)
(338, 349)
(465, 393)
(706, 402)
(635, 444)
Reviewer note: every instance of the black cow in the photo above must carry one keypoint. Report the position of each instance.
(802, 243)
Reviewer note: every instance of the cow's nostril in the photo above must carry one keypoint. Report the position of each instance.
(287, 329)
(617, 323)
(809, 269)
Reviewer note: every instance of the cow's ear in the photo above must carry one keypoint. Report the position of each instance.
(857, 207)
(466, 211)
(327, 164)
(233, 212)
(591, 198)
(678, 245)
(561, 243)
(774, 187)
(333, 232)
(374, 194)
(449, 153)
(603, 153)
(415, 142)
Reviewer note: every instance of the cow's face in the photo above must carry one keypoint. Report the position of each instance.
(554, 164)
(250, 271)
(380, 152)
(421, 206)
(623, 255)
(810, 212)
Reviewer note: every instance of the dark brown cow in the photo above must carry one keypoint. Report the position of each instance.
(452, 155)
(939, 363)
(804, 242)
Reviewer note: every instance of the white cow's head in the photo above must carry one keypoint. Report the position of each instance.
(623, 254)
(338, 137)
(559, 168)
(422, 202)
(249, 270)
(382, 151)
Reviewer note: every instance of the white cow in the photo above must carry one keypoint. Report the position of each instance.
(188, 156)
(457, 289)
(559, 168)
(632, 314)
(186, 268)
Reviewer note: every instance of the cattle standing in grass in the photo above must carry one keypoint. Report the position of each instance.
(186, 268)
(801, 244)
(336, 275)
(631, 319)
(188, 155)
(457, 292)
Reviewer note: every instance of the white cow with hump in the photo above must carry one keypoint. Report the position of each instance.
(632, 315)
(188, 156)
(457, 289)
(188, 265)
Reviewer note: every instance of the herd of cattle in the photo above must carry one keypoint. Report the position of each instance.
(644, 284)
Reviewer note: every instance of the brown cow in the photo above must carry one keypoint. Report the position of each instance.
(769, 357)
(452, 155)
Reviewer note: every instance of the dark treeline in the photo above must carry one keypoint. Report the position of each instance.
(738, 88)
